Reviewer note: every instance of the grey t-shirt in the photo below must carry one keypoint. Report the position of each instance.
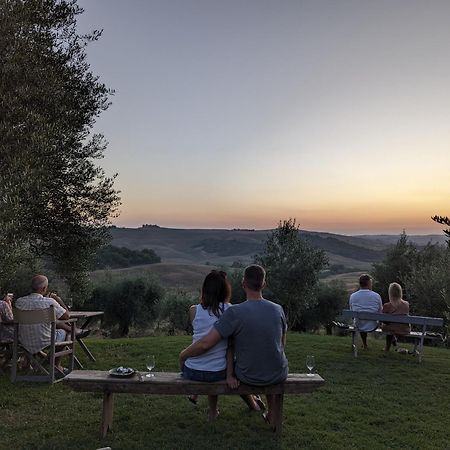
(257, 327)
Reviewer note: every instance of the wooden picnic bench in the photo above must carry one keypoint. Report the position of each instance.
(417, 336)
(166, 383)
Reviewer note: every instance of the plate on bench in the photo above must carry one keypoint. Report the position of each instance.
(122, 372)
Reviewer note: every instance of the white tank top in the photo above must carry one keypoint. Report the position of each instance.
(214, 359)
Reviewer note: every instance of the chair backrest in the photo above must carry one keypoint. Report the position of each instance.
(34, 316)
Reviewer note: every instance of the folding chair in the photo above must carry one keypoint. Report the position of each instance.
(42, 364)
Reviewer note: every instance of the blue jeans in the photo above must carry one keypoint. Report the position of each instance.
(203, 375)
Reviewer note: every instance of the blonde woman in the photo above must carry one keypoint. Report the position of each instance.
(396, 305)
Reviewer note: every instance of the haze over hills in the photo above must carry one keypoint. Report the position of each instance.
(215, 246)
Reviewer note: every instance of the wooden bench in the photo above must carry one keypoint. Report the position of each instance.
(418, 337)
(164, 383)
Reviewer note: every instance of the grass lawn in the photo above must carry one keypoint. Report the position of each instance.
(368, 403)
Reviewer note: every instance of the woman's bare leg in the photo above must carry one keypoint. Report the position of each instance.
(212, 407)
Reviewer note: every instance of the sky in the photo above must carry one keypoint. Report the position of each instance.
(239, 114)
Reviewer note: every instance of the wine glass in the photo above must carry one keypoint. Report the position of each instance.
(310, 363)
(150, 363)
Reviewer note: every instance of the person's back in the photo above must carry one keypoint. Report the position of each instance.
(257, 327)
(365, 300)
(35, 337)
(215, 358)
(396, 306)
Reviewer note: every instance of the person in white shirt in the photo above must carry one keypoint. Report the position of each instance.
(37, 336)
(365, 300)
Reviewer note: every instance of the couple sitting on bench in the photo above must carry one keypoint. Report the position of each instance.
(240, 343)
(367, 300)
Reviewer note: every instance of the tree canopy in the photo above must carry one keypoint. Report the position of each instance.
(444, 220)
(55, 201)
(293, 266)
(113, 257)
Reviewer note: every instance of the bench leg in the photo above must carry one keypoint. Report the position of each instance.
(107, 413)
(277, 413)
(354, 346)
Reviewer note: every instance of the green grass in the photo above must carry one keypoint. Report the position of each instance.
(372, 402)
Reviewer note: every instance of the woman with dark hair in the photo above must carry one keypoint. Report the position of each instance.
(212, 365)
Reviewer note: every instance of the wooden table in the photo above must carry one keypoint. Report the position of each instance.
(89, 316)
(165, 383)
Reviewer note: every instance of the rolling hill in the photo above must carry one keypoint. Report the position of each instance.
(202, 246)
(189, 254)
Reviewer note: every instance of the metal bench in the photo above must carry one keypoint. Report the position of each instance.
(418, 336)
(166, 383)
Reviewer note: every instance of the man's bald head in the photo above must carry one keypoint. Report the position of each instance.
(39, 283)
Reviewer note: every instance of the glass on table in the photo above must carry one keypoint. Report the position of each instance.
(150, 363)
(310, 364)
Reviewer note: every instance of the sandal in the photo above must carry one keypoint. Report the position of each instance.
(259, 402)
(192, 400)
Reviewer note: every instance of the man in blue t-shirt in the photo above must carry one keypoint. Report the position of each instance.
(258, 328)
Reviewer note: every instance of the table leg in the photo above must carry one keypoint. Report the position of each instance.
(86, 350)
(107, 413)
(78, 363)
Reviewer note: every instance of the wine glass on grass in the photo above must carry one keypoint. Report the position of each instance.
(310, 364)
(150, 363)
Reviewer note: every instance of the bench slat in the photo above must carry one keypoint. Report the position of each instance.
(172, 383)
(413, 320)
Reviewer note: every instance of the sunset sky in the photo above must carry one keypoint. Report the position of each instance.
(241, 113)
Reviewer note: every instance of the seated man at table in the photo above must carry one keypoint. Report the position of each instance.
(36, 337)
(365, 300)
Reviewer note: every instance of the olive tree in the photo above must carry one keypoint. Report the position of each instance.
(293, 268)
(444, 220)
(55, 201)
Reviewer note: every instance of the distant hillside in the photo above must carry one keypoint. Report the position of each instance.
(198, 246)
(420, 240)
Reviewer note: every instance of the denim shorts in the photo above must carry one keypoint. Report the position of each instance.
(60, 335)
(203, 375)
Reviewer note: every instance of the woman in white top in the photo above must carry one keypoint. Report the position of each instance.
(212, 365)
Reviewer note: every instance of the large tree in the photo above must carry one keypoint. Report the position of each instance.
(444, 220)
(293, 268)
(397, 266)
(55, 202)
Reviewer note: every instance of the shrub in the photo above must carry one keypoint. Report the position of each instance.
(332, 297)
(174, 308)
(424, 275)
(115, 257)
(126, 303)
